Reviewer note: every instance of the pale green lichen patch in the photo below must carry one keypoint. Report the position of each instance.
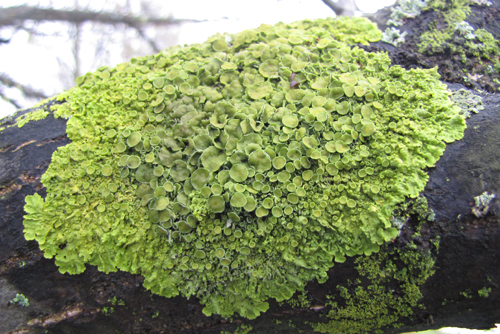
(482, 204)
(232, 184)
(467, 101)
(451, 37)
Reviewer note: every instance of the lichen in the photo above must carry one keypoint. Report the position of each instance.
(482, 204)
(476, 51)
(467, 101)
(31, 116)
(404, 9)
(207, 171)
(21, 300)
(465, 29)
(394, 36)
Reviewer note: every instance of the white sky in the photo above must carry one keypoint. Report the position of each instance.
(39, 65)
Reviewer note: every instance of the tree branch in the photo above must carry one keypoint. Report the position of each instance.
(9, 100)
(148, 40)
(27, 90)
(14, 15)
(342, 7)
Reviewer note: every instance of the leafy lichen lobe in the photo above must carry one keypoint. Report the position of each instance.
(207, 171)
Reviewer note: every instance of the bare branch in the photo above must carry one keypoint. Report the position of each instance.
(9, 100)
(26, 90)
(76, 50)
(14, 15)
(342, 7)
(150, 41)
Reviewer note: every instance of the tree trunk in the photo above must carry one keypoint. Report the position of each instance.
(462, 292)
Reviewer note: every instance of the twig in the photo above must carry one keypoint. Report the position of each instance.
(342, 7)
(27, 90)
(9, 100)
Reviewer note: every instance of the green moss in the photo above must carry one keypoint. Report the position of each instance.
(450, 13)
(170, 171)
(467, 293)
(391, 294)
(484, 292)
(32, 116)
(435, 242)
(242, 329)
(300, 300)
(450, 34)
(456, 37)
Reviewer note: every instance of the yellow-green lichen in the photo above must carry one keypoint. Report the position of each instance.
(239, 174)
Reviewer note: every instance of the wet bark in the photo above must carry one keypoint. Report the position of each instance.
(94, 302)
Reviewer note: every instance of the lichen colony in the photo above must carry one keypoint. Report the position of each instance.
(239, 169)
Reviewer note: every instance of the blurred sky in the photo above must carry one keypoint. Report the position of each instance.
(40, 65)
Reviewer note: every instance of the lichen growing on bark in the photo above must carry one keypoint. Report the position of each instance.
(239, 169)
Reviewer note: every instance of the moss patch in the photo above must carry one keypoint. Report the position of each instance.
(237, 174)
(392, 293)
(459, 36)
(450, 33)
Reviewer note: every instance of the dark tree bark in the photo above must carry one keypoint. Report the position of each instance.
(466, 262)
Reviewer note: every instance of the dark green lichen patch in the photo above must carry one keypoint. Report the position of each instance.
(209, 172)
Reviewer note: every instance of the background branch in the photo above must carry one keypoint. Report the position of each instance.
(26, 90)
(9, 100)
(149, 40)
(342, 7)
(14, 15)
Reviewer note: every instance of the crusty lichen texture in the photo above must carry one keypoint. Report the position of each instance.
(239, 169)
